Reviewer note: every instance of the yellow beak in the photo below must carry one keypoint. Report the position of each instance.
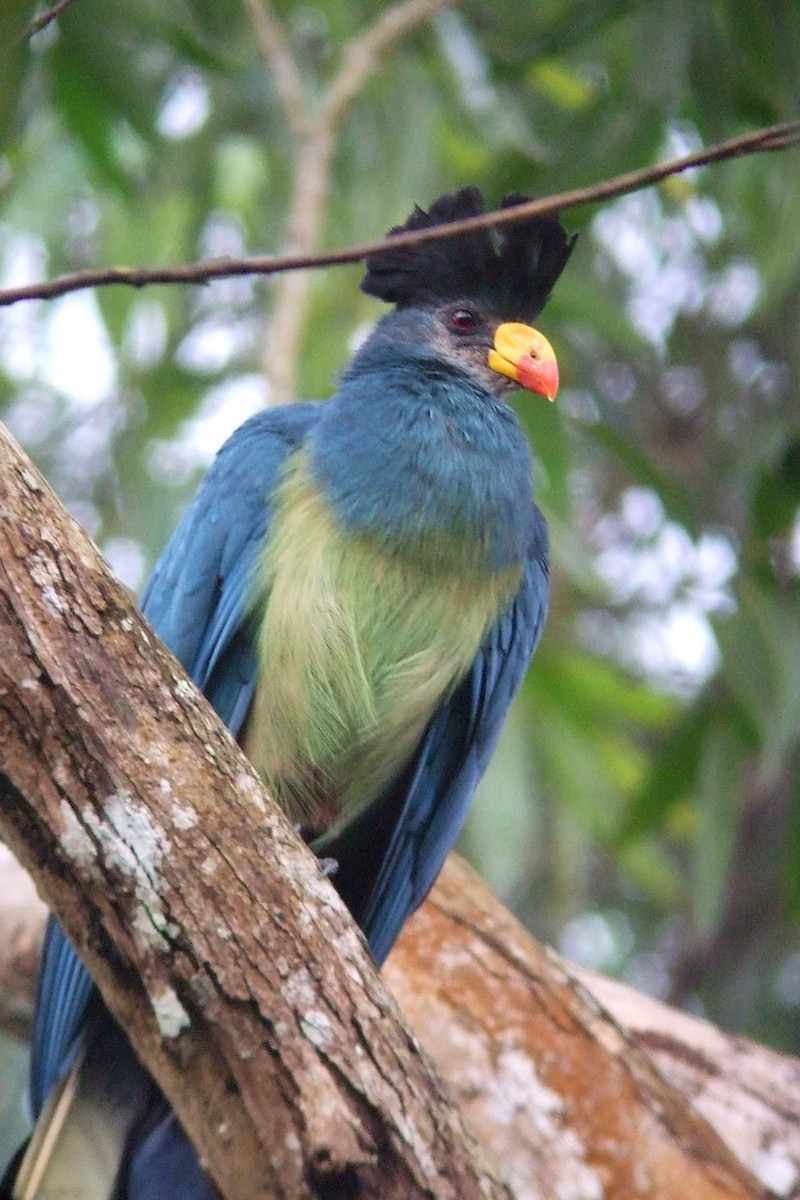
(526, 356)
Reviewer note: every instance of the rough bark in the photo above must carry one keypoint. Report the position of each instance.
(578, 1086)
(749, 1095)
(209, 928)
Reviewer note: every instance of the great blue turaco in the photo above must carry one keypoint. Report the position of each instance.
(358, 588)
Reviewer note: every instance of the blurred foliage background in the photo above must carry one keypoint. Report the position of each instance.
(643, 813)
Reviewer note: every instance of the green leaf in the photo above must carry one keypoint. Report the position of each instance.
(550, 437)
(791, 873)
(649, 867)
(760, 647)
(672, 774)
(720, 785)
(776, 495)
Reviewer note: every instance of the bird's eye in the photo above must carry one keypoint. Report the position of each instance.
(463, 319)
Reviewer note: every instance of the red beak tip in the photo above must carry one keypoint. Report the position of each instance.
(537, 376)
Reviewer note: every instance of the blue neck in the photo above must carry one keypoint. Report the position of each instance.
(430, 455)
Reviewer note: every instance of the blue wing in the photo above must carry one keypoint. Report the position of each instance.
(418, 822)
(196, 601)
(65, 989)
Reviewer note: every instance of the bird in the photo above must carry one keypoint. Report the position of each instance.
(358, 588)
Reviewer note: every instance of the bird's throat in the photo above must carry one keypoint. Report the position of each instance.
(429, 460)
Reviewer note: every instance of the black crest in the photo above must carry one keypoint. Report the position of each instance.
(511, 267)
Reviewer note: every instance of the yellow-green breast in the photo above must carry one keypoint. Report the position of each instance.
(358, 646)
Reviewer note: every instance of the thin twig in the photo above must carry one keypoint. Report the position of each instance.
(46, 18)
(775, 137)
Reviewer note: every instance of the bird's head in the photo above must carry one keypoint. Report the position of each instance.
(471, 297)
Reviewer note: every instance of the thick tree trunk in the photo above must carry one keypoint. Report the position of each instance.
(212, 934)
(229, 958)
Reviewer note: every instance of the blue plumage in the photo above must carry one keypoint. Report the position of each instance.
(436, 444)
(196, 598)
(65, 989)
(418, 449)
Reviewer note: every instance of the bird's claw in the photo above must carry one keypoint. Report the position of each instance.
(328, 866)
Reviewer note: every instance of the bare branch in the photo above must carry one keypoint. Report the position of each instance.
(312, 177)
(774, 137)
(362, 55)
(46, 18)
(282, 65)
(304, 228)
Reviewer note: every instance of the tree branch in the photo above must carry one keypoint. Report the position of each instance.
(563, 1074)
(363, 54)
(774, 137)
(212, 935)
(580, 1086)
(282, 65)
(46, 18)
(316, 138)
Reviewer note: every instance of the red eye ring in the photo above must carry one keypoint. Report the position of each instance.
(463, 319)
